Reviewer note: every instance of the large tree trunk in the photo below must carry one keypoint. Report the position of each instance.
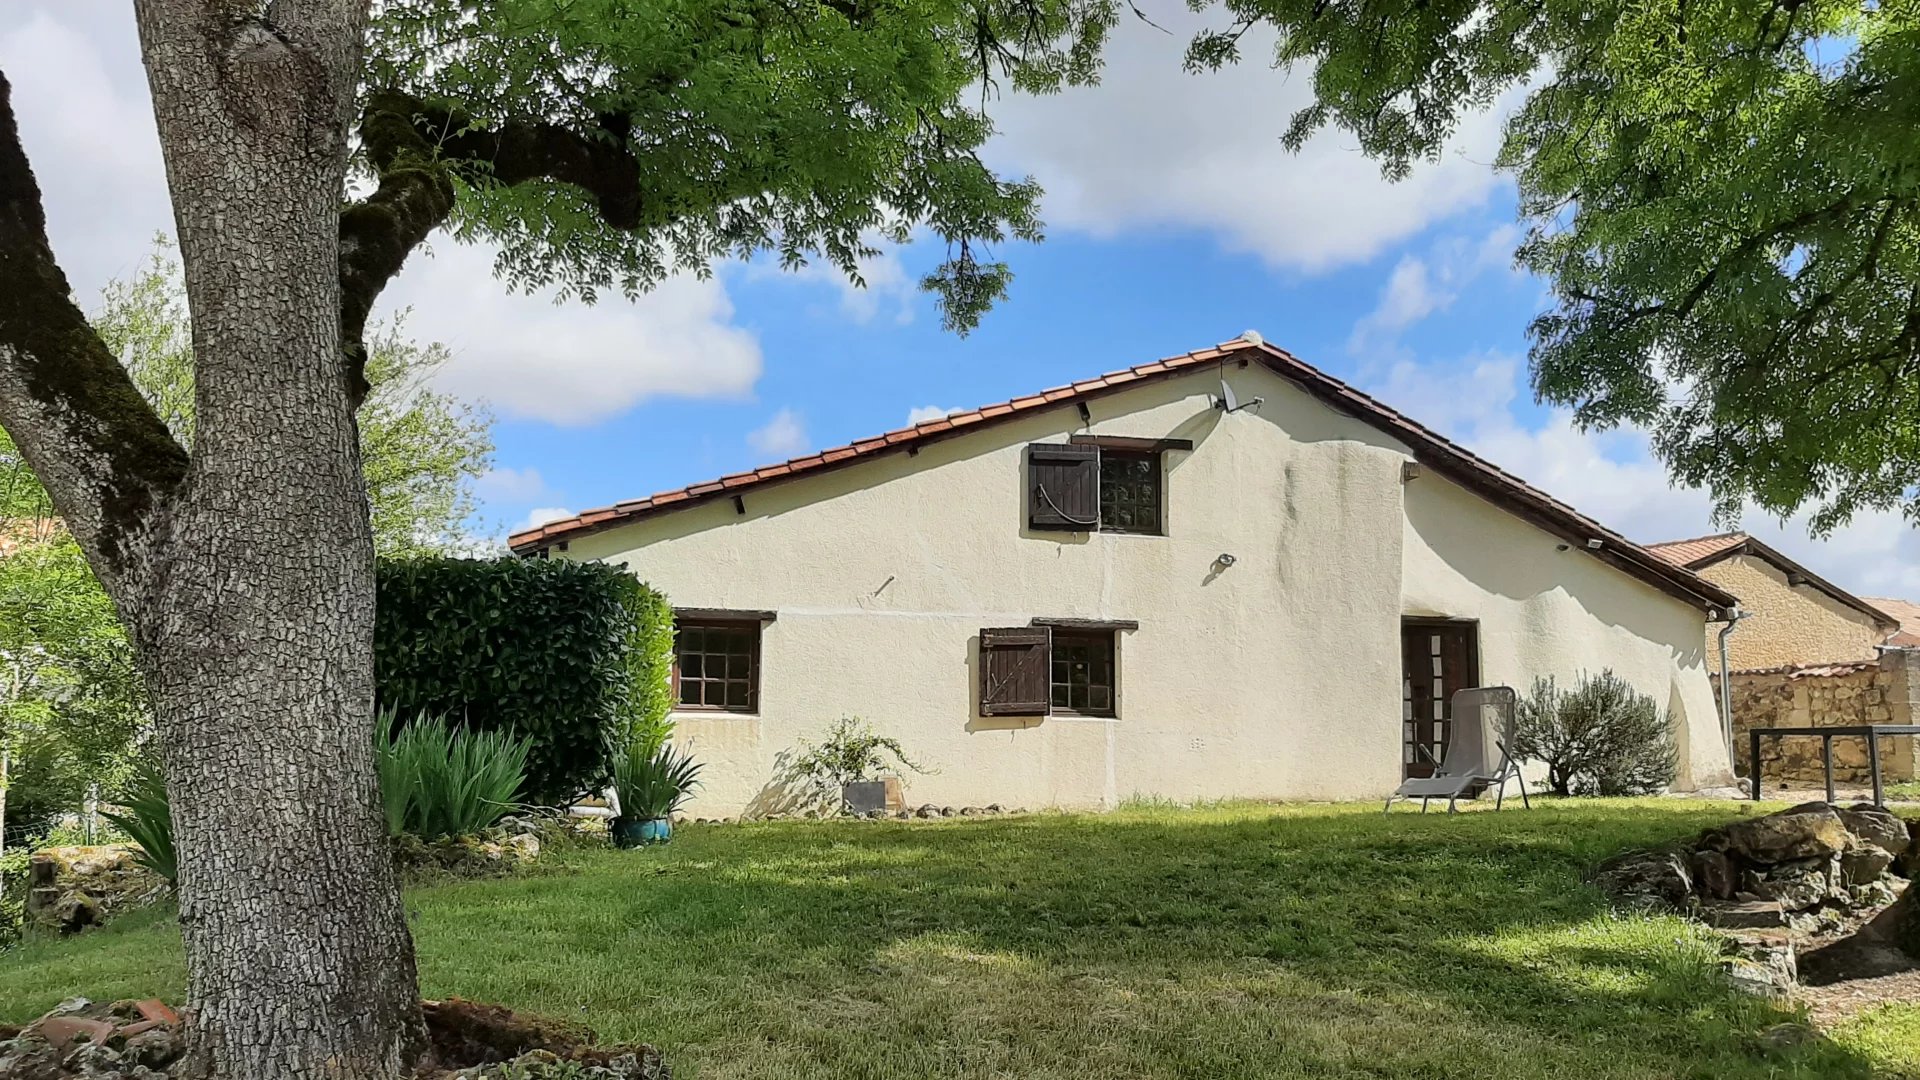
(255, 630)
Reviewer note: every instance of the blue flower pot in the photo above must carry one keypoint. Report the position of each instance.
(634, 832)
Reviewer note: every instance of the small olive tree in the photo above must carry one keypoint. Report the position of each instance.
(1601, 738)
(852, 752)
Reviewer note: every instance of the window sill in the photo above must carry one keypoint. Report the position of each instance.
(694, 712)
(1075, 714)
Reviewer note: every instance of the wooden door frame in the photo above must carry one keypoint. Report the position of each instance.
(1472, 674)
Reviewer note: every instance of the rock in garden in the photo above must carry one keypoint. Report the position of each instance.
(1863, 862)
(1782, 1036)
(1714, 877)
(1800, 885)
(1647, 878)
(155, 1048)
(79, 1040)
(1744, 915)
(1878, 827)
(72, 888)
(1761, 966)
(928, 811)
(1873, 894)
(1812, 830)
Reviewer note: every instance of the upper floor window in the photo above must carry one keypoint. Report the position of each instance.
(1099, 483)
(1130, 491)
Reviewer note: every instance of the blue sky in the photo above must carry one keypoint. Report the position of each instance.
(840, 368)
(1176, 220)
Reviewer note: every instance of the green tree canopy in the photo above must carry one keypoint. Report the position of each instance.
(1724, 198)
(421, 449)
(602, 144)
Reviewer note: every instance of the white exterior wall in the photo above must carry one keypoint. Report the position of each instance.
(1279, 677)
(1544, 611)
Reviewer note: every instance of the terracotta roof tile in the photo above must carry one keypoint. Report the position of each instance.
(1906, 612)
(1703, 551)
(1689, 552)
(1428, 446)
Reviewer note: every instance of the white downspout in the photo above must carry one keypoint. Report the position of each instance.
(1726, 692)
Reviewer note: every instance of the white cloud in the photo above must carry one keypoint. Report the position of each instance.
(540, 516)
(1409, 295)
(1153, 146)
(1614, 478)
(886, 289)
(1422, 285)
(505, 484)
(87, 124)
(924, 413)
(784, 436)
(570, 363)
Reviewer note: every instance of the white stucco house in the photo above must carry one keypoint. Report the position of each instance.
(1121, 588)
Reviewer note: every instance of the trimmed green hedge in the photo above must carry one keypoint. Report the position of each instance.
(575, 656)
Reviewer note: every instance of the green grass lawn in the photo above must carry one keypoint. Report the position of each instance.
(1240, 941)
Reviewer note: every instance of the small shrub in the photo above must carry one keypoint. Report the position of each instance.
(653, 785)
(851, 752)
(148, 821)
(437, 781)
(1601, 738)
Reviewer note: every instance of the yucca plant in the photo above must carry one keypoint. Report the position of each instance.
(148, 820)
(651, 786)
(438, 781)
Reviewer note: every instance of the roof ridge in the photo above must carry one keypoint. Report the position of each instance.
(1743, 534)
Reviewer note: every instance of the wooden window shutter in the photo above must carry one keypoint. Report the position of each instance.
(1063, 486)
(1015, 668)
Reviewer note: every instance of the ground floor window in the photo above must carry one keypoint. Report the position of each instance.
(717, 664)
(1082, 672)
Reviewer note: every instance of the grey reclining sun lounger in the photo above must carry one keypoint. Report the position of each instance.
(1476, 757)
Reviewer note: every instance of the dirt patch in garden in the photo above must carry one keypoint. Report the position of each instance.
(143, 1040)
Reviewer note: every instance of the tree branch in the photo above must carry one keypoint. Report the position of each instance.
(106, 459)
(419, 148)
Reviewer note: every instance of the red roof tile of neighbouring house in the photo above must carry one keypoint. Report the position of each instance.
(1908, 614)
(1700, 550)
(1429, 448)
(1703, 551)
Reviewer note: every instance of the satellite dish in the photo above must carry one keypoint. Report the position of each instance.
(1230, 401)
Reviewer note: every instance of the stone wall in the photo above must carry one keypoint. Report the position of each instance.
(1828, 695)
(1787, 625)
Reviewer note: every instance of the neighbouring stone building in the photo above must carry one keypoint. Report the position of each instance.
(1881, 691)
(1795, 617)
(1807, 654)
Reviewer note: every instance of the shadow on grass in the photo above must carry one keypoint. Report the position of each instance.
(1237, 941)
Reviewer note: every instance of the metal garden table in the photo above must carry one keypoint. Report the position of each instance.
(1872, 732)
